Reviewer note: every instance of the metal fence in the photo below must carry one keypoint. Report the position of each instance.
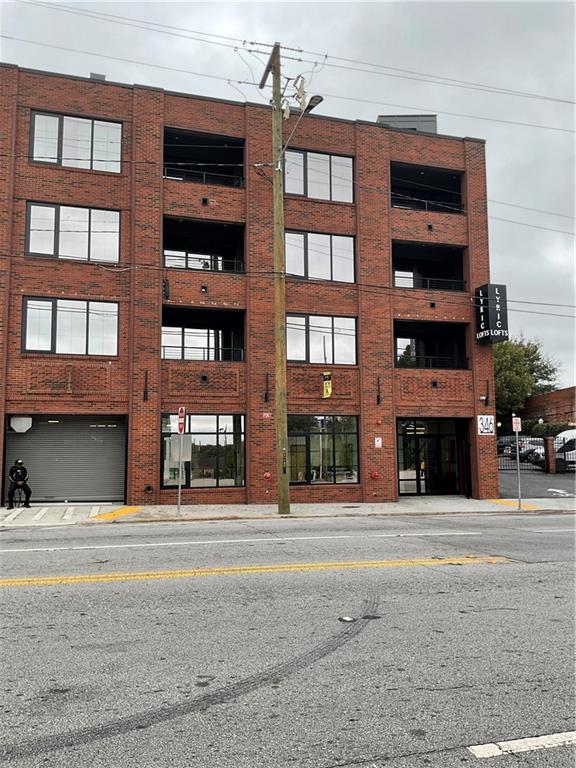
(532, 456)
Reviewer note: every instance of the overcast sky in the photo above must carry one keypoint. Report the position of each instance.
(518, 46)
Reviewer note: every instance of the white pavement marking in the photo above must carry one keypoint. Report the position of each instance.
(524, 745)
(267, 540)
(68, 513)
(40, 514)
(94, 511)
(560, 491)
(551, 530)
(13, 515)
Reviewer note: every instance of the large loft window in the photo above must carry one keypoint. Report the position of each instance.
(430, 345)
(76, 142)
(70, 327)
(67, 232)
(206, 335)
(213, 451)
(432, 267)
(421, 188)
(320, 257)
(322, 449)
(203, 157)
(321, 339)
(213, 246)
(320, 176)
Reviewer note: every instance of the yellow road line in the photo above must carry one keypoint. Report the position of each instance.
(116, 513)
(513, 503)
(99, 578)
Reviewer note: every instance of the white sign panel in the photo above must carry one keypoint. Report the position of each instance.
(517, 424)
(377, 442)
(486, 425)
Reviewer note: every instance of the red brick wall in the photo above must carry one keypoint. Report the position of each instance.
(72, 384)
(558, 406)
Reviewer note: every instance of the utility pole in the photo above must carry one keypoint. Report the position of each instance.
(280, 388)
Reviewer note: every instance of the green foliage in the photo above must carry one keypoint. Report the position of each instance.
(521, 369)
(547, 429)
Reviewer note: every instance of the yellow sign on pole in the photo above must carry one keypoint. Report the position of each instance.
(327, 384)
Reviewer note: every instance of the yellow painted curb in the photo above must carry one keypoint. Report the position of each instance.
(513, 503)
(99, 578)
(117, 513)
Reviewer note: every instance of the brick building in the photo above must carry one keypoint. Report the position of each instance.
(558, 407)
(136, 277)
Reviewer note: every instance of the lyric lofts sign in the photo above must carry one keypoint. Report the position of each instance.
(491, 314)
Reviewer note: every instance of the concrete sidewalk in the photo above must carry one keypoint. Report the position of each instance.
(94, 514)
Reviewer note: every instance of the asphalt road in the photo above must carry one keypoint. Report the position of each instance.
(222, 645)
(536, 484)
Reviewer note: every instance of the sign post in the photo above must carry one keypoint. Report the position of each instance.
(517, 427)
(181, 426)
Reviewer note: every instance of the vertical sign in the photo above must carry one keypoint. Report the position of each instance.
(491, 314)
(326, 384)
(516, 424)
(181, 427)
(517, 427)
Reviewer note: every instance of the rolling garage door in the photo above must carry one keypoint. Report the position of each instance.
(72, 458)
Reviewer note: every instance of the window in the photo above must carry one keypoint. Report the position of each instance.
(321, 339)
(87, 234)
(213, 451)
(76, 142)
(320, 257)
(322, 449)
(70, 327)
(325, 177)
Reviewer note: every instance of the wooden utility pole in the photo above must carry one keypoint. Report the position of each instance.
(280, 388)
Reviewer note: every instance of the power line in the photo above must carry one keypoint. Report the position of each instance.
(452, 114)
(153, 26)
(244, 82)
(464, 301)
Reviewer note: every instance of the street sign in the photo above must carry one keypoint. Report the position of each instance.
(181, 419)
(486, 425)
(516, 424)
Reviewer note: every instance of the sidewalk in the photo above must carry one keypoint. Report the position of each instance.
(95, 514)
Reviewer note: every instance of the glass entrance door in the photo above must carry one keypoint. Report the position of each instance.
(428, 457)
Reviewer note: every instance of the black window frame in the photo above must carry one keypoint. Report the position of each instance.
(54, 327)
(333, 432)
(58, 163)
(331, 235)
(329, 155)
(332, 335)
(188, 431)
(57, 232)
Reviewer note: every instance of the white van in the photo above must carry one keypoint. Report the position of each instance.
(565, 444)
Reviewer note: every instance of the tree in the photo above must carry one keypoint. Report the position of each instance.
(521, 369)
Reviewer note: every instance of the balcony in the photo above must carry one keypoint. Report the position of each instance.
(429, 267)
(430, 345)
(422, 188)
(203, 158)
(202, 245)
(202, 335)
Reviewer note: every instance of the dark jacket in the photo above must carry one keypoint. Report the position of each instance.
(18, 474)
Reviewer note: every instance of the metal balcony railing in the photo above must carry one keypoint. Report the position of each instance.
(205, 262)
(432, 361)
(181, 172)
(417, 203)
(429, 283)
(204, 354)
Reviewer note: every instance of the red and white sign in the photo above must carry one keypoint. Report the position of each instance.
(181, 419)
(517, 424)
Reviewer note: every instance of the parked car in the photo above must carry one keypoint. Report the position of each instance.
(505, 445)
(529, 448)
(565, 445)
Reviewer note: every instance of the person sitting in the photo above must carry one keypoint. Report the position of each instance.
(18, 476)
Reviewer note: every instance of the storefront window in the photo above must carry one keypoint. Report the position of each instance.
(322, 449)
(212, 451)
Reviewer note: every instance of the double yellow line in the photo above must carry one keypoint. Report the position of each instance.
(106, 578)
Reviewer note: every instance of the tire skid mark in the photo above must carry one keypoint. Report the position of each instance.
(119, 727)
